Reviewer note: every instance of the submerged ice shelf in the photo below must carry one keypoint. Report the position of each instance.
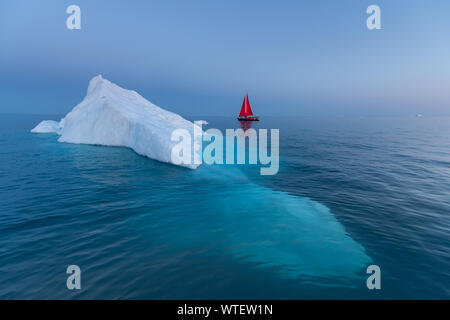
(297, 236)
(268, 230)
(112, 116)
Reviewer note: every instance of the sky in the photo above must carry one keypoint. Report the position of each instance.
(199, 58)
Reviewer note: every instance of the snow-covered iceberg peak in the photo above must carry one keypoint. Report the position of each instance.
(112, 116)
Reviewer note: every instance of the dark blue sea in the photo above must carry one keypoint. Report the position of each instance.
(350, 192)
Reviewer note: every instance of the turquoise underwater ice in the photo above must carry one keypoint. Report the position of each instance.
(295, 236)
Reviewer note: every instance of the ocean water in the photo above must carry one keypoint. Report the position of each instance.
(350, 192)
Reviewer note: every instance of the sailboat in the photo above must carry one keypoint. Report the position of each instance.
(246, 112)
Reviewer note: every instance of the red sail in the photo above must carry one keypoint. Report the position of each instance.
(246, 110)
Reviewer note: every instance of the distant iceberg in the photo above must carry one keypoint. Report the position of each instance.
(112, 116)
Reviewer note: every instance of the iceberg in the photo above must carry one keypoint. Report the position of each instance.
(47, 126)
(112, 116)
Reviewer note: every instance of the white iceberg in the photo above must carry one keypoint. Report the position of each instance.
(112, 116)
(47, 126)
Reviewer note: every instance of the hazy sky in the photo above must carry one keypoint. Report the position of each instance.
(201, 57)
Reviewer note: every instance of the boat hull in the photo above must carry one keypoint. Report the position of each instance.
(248, 119)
